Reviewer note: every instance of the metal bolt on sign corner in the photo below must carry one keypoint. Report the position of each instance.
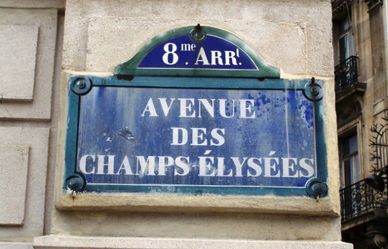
(76, 183)
(313, 90)
(81, 85)
(315, 188)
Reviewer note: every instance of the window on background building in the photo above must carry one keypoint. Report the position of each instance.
(345, 39)
(349, 160)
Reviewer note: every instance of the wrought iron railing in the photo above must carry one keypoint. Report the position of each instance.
(346, 73)
(379, 144)
(340, 5)
(359, 199)
(373, 4)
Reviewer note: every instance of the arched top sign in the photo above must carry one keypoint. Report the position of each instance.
(228, 126)
(197, 51)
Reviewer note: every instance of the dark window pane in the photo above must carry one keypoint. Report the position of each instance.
(349, 162)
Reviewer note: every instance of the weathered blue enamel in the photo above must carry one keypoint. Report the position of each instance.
(258, 138)
(227, 125)
(218, 54)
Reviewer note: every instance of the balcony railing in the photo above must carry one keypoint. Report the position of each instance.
(339, 6)
(359, 199)
(346, 74)
(373, 4)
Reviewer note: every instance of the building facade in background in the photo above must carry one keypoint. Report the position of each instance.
(360, 52)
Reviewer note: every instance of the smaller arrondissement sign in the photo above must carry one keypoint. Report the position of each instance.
(196, 112)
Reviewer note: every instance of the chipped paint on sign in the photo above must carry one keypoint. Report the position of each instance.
(196, 137)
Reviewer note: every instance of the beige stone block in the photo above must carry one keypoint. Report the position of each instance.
(36, 139)
(13, 179)
(319, 42)
(112, 41)
(315, 18)
(178, 223)
(60, 4)
(158, 243)
(40, 107)
(15, 245)
(281, 44)
(292, 35)
(18, 44)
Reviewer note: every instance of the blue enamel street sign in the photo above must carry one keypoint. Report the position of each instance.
(195, 135)
(197, 52)
(183, 53)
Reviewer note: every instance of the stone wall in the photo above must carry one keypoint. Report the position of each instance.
(30, 46)
(293, 35)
